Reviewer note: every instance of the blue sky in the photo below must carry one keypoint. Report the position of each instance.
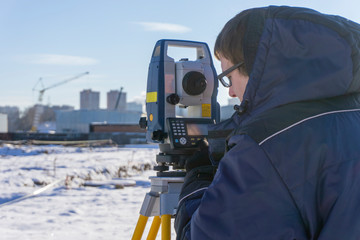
(113, 40)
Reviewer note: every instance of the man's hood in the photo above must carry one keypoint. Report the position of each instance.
(298, 54)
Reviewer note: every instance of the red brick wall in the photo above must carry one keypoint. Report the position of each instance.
(116, 128)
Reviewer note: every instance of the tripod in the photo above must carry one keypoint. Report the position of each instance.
(162, 200)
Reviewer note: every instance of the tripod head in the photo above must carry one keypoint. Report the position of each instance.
(180, 101)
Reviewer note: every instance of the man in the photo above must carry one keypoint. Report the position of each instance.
(292, 164)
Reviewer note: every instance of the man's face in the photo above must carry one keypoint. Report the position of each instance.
(238, 79)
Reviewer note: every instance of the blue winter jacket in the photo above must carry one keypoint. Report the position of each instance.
(292, 166)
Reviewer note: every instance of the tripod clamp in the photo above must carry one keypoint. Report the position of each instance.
(163, 196)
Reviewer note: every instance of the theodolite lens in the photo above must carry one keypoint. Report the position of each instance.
(194, 83)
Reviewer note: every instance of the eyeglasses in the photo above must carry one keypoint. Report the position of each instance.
(225, 81)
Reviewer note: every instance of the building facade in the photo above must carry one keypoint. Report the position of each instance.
(13, 115)
(134, 106)
(79, 121)
(3, 123)
(89, 100)
(116, 101)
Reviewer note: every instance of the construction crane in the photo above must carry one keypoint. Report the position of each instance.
(39, 107)
(118, 99)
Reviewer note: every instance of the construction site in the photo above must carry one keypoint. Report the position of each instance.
(117, 124)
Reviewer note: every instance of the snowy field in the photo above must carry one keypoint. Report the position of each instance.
(71, 209)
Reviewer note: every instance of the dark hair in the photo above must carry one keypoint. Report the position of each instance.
(229, 42)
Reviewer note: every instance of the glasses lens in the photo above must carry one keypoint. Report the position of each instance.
(225, 81)
(223, 76)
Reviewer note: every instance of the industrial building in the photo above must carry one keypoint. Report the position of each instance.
(79, 121)
(89, 100)
(134, 106)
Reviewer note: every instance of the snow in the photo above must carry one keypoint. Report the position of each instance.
(108, 209)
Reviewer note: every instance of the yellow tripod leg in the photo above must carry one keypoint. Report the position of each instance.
(154, 228)
(166, 227)
(139, 229)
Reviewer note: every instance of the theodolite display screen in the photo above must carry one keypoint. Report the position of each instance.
(196, 129)
(186, 132)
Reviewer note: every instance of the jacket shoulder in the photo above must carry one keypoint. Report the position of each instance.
(282, 117)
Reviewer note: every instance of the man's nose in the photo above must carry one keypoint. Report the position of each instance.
(231, 92)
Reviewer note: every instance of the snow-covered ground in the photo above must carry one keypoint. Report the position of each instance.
(70, 209)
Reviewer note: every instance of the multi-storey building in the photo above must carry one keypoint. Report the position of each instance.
(116, 100)
(89, 100)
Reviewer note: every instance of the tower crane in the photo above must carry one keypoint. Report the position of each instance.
(38, 107)
(118, 99)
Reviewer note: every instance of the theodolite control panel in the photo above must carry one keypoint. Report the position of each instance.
(186, 132)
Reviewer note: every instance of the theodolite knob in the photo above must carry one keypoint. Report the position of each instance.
(143, 123)
(173, 99)
(161, 168)
(158, 135)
